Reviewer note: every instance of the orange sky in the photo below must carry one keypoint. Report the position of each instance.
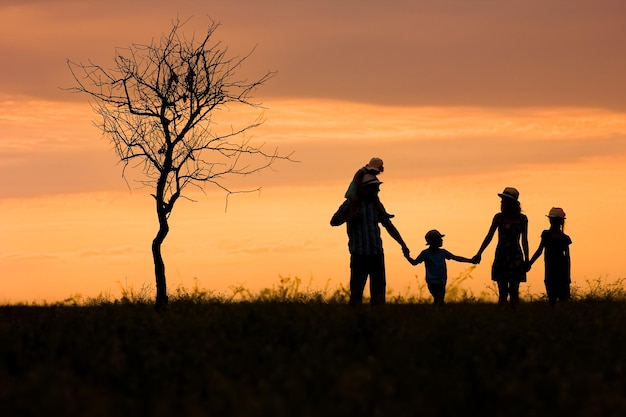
(460, 100)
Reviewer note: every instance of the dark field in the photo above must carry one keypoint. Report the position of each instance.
(313, 359)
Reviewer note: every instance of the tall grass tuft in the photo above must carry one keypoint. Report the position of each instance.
(292, 290)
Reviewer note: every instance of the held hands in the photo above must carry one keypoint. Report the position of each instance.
(527, 266)
(407, 255)
(411, 260)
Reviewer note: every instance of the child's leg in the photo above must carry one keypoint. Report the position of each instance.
(354, 207)
(438, 291)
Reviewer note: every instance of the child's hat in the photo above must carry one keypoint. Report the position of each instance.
(375, 164)
(510, 192)
(432, 235)
(556, 212)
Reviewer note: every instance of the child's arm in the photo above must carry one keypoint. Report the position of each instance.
(411, 260)
(418, 259)
(535, 256)
(463, 259)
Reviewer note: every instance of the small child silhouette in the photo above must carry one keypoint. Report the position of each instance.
(355, 189)
(434, 258)
(557, 257)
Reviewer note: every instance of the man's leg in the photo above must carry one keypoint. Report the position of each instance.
(378, 280)
(566, 293)
(551, 292)
(358, 277)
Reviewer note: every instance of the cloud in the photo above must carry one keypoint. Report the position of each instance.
(333, 139)
(432, 53)
(116, 252)
(330, 139)
(30, 256)
(253, 247)
(56, 172)
(430, 158)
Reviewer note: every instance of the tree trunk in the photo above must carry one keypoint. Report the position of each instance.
(159, 265)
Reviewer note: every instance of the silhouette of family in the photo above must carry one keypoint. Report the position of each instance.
(363, 213)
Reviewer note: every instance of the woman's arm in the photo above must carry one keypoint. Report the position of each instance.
(488, 238)
(525, 238)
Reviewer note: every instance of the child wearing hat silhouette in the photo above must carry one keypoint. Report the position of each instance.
(434, 258)
(556, 259)
(355, 189)
(509, 264)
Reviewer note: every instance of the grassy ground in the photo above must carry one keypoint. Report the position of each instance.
(313, 358)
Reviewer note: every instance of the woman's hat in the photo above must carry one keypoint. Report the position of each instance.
(510, 192)
(432, 235)
(556, 212)
(375, 164)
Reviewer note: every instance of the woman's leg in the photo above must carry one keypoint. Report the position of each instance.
(514, 293)
(503, 292)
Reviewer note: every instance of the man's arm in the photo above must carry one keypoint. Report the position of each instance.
(395, 234)
(341, 215)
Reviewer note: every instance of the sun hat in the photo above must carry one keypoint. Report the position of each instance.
(369, 179)
(556, 212)
(376, 164)
(432, 235)
(510, 192)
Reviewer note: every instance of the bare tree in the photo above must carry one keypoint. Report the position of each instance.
(157, 105)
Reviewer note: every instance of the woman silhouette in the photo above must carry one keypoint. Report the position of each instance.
(509, 264)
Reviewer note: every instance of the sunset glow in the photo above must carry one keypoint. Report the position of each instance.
(72, 225)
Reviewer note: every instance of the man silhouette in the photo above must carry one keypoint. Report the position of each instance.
(365, 243)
